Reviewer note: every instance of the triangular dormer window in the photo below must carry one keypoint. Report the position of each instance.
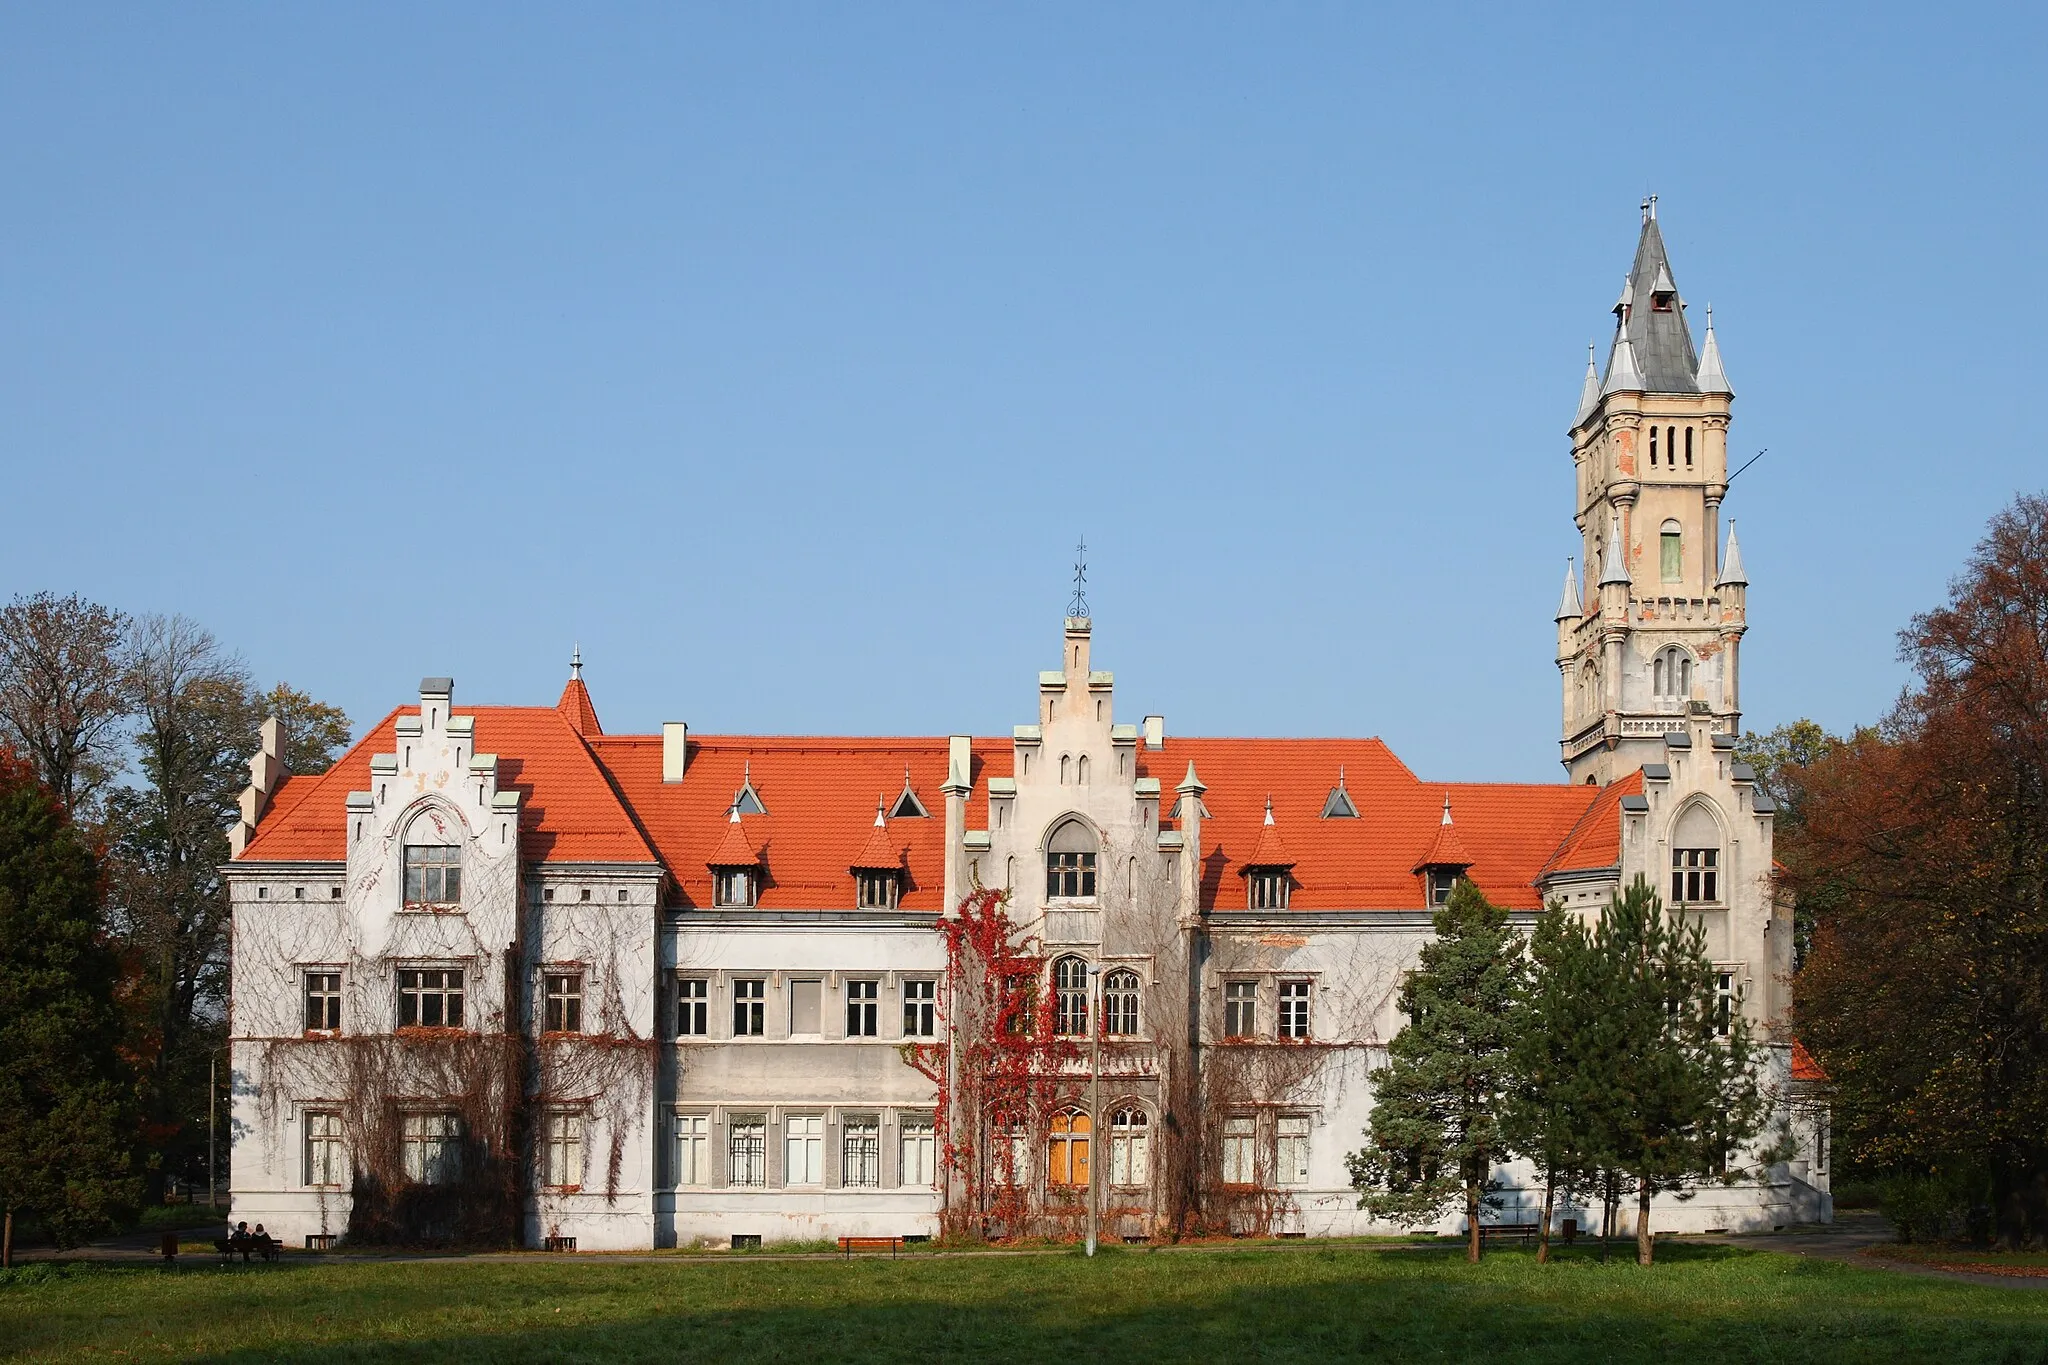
(1339, 806)
(746, 800)
(907, 806)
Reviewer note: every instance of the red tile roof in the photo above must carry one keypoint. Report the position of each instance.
(576, 709)
(1269, 851)
(568, 811)
(592, 797)
(735, 849)
(880, 852)
(1804, 1068)
(1447, 849)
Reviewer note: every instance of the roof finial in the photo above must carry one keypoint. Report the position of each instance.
(576, 661)
(1269, 810)
(880, 803)
(1447, 808)
(1078, 607)
(1650, 208)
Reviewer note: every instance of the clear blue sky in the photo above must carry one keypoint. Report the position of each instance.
(781, 353)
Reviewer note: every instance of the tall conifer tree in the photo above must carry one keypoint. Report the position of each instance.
(1436, 1119)
(1558, 1057)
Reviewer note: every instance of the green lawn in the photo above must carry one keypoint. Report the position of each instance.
(1308, 1303)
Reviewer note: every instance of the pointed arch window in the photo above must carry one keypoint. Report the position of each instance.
(1129, 1155)
(1070, 997)
(1067, 1148)
(1671, 674)
(1070, 863)
(1120, 1003)
(1696, 858)
(433, 860)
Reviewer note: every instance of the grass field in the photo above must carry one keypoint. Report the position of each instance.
(1701, 1303)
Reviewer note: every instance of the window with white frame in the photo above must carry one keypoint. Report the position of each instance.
(1290, 1166)
(1070, 863)
(1070, 997)
(749, 1151)
(1240, 1150)
(860, 1157)
(693, 1149)
(1724, 1003)
(693, 1007)
(1120, 1003)
(564, 1002)
(562, 1153)
(1295, 998)
(430, 997)
(920, 1151)
(1130, 1148)
(1240, 1009)
(326, 1163)
(920, 1009)
(323, 1002)
(863, 1009)
(749, 1007)
(433, 874)
(1695, 858)
(431, 1148)
(803, 1149)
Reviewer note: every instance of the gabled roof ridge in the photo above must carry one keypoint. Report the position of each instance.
(277, 814)
(1608, 801)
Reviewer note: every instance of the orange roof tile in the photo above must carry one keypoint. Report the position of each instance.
(1269, 851)
(880, 852)
(1446, 849)
(736, 849)
(576, 709)
(1804, 1068)
(1595, 841)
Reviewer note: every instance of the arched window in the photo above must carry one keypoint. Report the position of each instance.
(1070, 863)
(1688, 447)
(1672, 544)
(1070, 997)
(1696, 858)
(1653, 447)
(433, 859)
(1120, 1003)
(1063, 770)
(1066, 1148)
(1671, 674)
(1130, 1157)
(1081, 769)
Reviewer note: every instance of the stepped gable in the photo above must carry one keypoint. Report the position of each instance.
(1510, 829)
(1594, 842)
(568, 811)
(819, 793)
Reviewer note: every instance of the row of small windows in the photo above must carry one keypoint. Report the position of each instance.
(1670, 451)
(750, 1008)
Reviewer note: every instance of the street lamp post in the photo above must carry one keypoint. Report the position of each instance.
(1094, 1100)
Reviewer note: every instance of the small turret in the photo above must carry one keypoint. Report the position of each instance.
(1712, 379)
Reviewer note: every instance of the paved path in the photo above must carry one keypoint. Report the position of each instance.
(1851, 1234)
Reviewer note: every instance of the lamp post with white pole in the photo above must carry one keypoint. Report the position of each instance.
(1094, 1098)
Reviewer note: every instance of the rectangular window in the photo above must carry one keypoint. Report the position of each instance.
(920, 1152)
(323, 1002)
(803, 1007)
(861, 1153)
(803, 1146)
(325, 1165)
(1240, 1136)
(1441, 881)
(430, 997)
(749, 1152)
(1269, 887)
(693, 1149)
(920, 1009)
(1294, 1007)
(693, 1007)
(863, 1009)
(1291, 1156)
(877, 890)
(749, 1008)
(1070, 876)
(733, 886)
(1130, 1156)
(1724, 1003)
(1240, 1009)
(433, 874)
(1671, 555)
(564, 1002)
(562, 1158)
(1695, 875)
(432, 1146)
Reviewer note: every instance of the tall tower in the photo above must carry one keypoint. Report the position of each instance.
(1654, 636)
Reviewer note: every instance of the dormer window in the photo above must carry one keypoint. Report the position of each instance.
(1661, 300)
(1441, 881)
(1269, 887)
(746, 800)
(878, 889)
(1339, 806)
(732, 886)
(1070, 863)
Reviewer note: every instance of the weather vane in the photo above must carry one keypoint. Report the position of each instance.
(1078, 608)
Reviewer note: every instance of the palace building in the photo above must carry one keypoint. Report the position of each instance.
(500, 975)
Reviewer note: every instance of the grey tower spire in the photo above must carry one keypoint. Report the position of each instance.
(1650, 335)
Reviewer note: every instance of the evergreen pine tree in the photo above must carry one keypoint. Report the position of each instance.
(1682, 1097)
(65, 1129)
(1559, 1080)
(1436, 1132)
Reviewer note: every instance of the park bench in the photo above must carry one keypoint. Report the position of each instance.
(892, 1245)
(266, 1247)
(1508, 1232)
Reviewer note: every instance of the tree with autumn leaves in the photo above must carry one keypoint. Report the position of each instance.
(1920, 855)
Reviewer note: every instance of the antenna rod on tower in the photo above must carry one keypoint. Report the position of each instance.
(1750, 461)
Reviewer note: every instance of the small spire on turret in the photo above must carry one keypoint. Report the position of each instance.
(1447, 808)
(1568, 608)
(1589, 392)
(1624, 374)
(1614, 566)
(1731, 563)
(881, 804)
(1192, 783)
(1269, 810)
(1712, 379)
(576, 660)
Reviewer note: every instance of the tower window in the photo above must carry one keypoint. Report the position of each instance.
(1671, 546)
(1688, 447)
(1661, 299)
(1070, 997)
(1671, 674)
(1653, 447)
